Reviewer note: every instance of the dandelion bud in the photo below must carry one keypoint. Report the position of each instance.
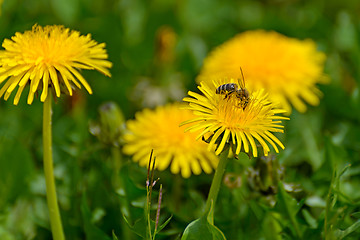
(111, 124)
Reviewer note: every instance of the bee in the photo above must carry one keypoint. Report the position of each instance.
(239, 90)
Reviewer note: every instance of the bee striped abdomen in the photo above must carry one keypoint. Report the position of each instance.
(225, 88)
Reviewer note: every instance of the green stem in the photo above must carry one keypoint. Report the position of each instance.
(55, 219)
(119, 184)
(177, 190)
(147, 211)
(216, 183)
(117, 165)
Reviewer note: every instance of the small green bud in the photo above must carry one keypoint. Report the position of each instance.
(110, 126)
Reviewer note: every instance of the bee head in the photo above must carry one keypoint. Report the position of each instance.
(243, 93)
(246, 93)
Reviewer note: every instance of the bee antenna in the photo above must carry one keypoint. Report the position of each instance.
(242, 74)
(243, 79)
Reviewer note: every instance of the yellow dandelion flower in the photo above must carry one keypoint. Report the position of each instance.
(49, 56)
(287, 68)
(159, 130)
(228, 121)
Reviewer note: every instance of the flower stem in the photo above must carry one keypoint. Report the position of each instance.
(55, 219)
(119, 184)
(215, 185)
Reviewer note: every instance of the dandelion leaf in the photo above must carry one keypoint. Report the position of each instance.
(202, 228)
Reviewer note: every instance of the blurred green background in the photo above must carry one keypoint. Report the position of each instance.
(319, 144)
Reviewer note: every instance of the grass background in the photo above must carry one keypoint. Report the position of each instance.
(319, 144)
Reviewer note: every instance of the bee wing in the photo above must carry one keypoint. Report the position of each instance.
(242, 80)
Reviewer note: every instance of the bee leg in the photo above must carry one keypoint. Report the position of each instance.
(228, 94)
(240, 105)
(245, 104)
